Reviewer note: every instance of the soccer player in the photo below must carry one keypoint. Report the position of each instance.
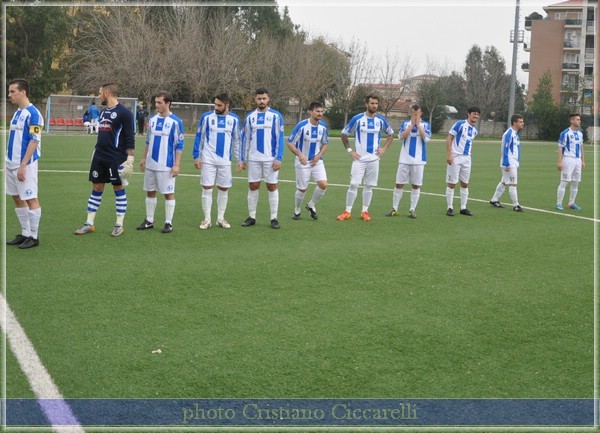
(22, 153)
(308, 141)
(161, 160)
(570, 161)
(458, 156)
(261, 152)
(113, 158)
(94, 118)
(218, 136)
(509, 163)
(367, 128)
(414, 134)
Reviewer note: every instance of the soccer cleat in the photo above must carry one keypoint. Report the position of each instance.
(391, 213)
(205, 225)
(496, 204)
(344, 216)
(18, 240)
(412, 214)
(87, 228)
(365, 216)
(313, 212)
(466, 212)
(275, 223)
(249, 222)
(518, 208)
(223, 224)
(296, 216)
(145, 225)
(29, 243)
(117, 231)
(168, 228)
(574, 207)
(559, 206)
(450, 212)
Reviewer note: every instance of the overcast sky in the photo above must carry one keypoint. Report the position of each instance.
(444, 31)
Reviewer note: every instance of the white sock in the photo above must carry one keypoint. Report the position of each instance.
(169, 211)
(499, 191)
(222, 197)
(252, 203)
(464, 197)
(150, 208)
(415, 193)
(512, 191)
(560, 192)
(351, 197)
(34, 221)
(397, 196)
(573, 193)
(207, 203)
(23, 217)
(317, 195)
(450, 197)
(274, 203)
(367, 195)
(298, 199)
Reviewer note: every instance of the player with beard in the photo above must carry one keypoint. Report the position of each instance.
(113, 158)
(218, 136)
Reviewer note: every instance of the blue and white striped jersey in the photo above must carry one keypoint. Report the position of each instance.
(511, 149)
(308, 138)
(571, 141)
(414, 147)
(25, 126)
(263, 136)
(217, 137)
(164, 139)
(367, 134)
(464, 134)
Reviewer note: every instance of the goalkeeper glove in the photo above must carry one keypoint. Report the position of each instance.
(126, 169)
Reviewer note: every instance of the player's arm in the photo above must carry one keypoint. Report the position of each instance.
(31, 147)
(385, 146)
(144, 156)
(449, 139)
(180, 137)
(236, 139)
(280, 140)
(244, 145)
(197, 150)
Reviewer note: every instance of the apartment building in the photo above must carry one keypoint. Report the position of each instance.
(564, 43)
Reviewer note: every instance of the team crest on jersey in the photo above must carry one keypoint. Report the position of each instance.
(170, 188)
(113, 115)
(28, 193)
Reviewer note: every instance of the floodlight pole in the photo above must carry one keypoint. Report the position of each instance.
(513, 76)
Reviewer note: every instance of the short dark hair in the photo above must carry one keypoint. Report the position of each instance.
(415, 107)
(574, 115)
(371, 96)
(22, 85)
(314, 105)
(261, 91)
(473, 109)
(167, 97)
(112, 88)
(515, 118)
(224, 97)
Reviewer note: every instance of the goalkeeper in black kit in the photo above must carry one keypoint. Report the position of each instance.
(113, 158)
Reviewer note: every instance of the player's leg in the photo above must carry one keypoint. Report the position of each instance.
(401, 180)
(209, 176)
(319, 174)
(21, 208)
(224, 182)
(452, 171)
(500, 188)
(255, 173)
(357, 172)
(302, 178)
(464, 176)
(565, 178)
(151, 188)
(370, 181)
(272, 179)
(416, 175)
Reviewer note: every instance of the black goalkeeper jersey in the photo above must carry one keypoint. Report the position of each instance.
(116, 133)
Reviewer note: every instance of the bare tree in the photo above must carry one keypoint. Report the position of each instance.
(393, 73)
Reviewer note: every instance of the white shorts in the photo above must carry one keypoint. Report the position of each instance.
(304, 172)
(460, 169)
(366, 172)
(161, 181)
(219, 173)
(26, 190)
(571, 171)
(509, 177)
(410, 174)
(257, 170)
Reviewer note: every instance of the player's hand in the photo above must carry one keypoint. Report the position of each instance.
(582, 164)
(380, 151)
(449, 160)
(276, 165)
(354, 155)
(175, 171)
(559, 166)
(127, 167)
(302, 159)
(21, 173)
(143, 165)
(241, 166)
(198, 164)
(314, 161)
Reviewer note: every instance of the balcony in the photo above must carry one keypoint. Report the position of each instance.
(527, 46)
(591, 28)
(571, 45)
(528, 24)
(571, 22)
(525, 67)
(570, 66)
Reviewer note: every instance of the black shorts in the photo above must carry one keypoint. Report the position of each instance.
(105, 171)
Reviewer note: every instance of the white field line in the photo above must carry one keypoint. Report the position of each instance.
(568, 215)
(55, 409)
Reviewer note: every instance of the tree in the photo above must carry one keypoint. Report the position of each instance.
(393, 72)
(36, 40)
(549, 117)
